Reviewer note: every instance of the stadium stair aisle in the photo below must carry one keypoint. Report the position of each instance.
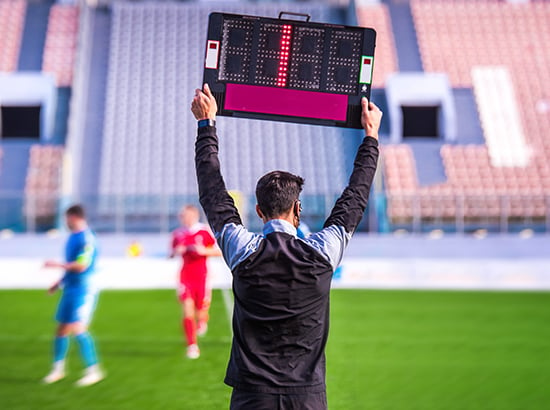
(15, 161)
(13, 172)
(93, 137)
(429, 164)
(34, 36)
(408, 53)
(61, 115)
(470, 125)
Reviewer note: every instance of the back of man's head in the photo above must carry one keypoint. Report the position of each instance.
(277, 192)
(76, 211)
(75, 217)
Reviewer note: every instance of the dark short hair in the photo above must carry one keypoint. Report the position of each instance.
(277, 192)
(76, 210)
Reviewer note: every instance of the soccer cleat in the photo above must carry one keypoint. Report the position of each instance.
(92, 375)
(54, 376)
(193, 352)
(202, 329)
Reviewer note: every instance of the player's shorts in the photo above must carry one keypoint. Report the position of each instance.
(76, 306)
(244, 400)
(200, 293)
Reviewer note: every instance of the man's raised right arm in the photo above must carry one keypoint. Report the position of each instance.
(214, 198)
(222, 215)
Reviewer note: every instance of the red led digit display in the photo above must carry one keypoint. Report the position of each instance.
(284, 56)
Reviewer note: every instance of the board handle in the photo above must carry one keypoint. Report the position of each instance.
(291, 13)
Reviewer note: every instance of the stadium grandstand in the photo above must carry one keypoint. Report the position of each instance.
(442, 296)
(465, 137)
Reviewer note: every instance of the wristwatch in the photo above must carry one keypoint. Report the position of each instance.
(207, 122)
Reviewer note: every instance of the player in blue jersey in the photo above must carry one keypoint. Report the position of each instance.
(78, 300)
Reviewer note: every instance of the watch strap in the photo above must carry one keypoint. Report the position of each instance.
(207, 122)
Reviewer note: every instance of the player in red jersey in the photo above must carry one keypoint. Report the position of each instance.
(195, 243)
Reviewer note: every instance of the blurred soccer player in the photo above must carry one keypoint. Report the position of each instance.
(194, 242)
(281, 283)
(78, 300)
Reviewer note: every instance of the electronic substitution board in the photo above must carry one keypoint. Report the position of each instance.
(289, 70)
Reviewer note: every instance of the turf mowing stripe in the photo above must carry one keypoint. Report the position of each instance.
(49, 338)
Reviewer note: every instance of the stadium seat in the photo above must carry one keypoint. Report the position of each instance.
(377, 16)
(61, 39)
(43, 182)
(12, 19)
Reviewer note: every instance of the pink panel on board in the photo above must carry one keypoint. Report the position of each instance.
(283, 101)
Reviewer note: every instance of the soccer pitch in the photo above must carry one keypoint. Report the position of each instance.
(387, 350)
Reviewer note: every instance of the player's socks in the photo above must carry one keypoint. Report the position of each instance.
(60, 348)
(190, 331)
(87, 348)
(59, 366)
(202, 328)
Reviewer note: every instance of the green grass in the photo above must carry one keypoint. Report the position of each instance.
(387, 350)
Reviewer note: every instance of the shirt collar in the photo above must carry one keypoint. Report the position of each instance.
(279, 225)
